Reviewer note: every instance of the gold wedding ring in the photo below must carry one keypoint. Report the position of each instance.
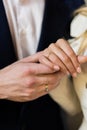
(46, 88)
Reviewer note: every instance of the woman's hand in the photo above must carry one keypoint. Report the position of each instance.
(61, 56)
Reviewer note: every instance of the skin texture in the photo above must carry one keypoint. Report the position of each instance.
(61, 56)
(25, 80)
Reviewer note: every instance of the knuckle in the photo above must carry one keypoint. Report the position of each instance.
(46, 52)
(29, 70)
(30, 82)
(26, 70)
(60, 41)
(51, 45)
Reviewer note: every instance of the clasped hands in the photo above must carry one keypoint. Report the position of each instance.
(28, 78)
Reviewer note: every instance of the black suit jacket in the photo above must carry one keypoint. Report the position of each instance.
(44, 111)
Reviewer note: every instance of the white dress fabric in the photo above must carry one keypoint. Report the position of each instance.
(78, 27)
(25, 19)
(85, 2)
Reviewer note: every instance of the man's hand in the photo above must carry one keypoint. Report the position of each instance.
(25, 80)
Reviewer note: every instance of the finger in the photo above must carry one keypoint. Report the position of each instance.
(51, 85)
(64, 45)
(64, 59)
(38, 69)
(43, 85)
(46, 61)
(55, 60)
(82, 59)
(45, 79)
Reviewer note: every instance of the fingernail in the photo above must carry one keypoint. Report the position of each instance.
(74, 74)
(79, 70)
(56, 67)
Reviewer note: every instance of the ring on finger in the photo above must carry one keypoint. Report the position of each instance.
(46, 88)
